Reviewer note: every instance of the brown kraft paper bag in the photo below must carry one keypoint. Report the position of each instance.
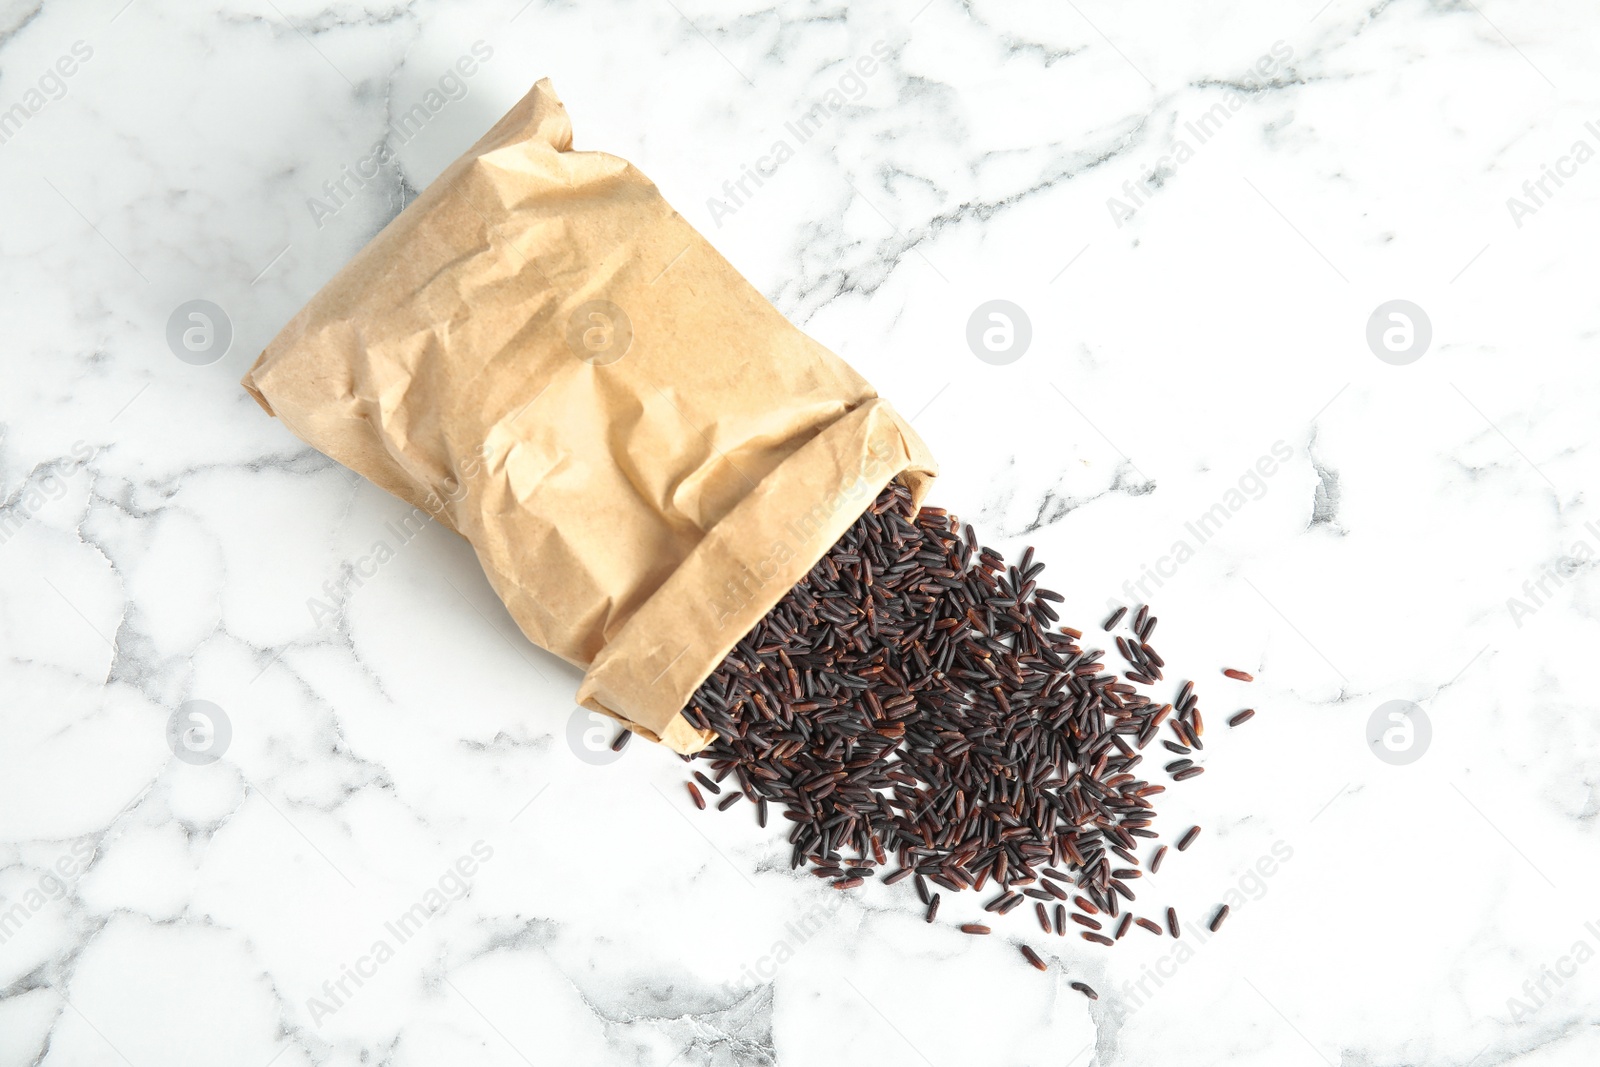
(644, 454)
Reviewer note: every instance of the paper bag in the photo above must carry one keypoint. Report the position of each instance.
(644, 454)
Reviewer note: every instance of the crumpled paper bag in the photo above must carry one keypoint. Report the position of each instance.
(643, 452)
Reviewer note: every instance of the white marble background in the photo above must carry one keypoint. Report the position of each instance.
(161, 537)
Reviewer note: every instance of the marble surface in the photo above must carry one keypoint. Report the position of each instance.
(406, 852)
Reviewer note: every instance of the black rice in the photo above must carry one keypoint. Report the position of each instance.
(913, 696)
